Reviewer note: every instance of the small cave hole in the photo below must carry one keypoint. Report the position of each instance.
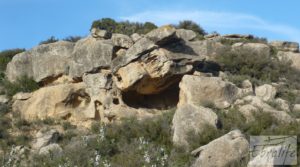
(164, 100)
(116, 101)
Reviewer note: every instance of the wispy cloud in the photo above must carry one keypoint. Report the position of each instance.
(218, 20)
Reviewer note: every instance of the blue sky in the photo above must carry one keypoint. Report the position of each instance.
(24, 23)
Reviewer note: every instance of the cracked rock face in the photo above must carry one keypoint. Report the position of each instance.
(90, 55)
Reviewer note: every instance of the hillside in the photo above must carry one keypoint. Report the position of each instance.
(165, 96)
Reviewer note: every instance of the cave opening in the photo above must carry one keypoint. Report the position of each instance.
(164, 100)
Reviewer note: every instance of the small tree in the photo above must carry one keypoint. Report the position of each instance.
(190, 25)
(105, 24)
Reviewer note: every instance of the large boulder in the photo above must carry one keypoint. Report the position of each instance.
(101, 34)
(266, 92)
(187, 35)
(42, 62)
(162, 35)
(53, 150)
(122, 40)
(90, 55)
(294, 58)
(191, 119)
(285, 46)
(60, 101)
(45, 137)
(225, 151)
(207, 90)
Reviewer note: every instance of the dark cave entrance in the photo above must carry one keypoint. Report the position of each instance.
(166, 99)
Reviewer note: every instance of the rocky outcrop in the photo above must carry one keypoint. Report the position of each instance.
(225, 151)
(191, 119)
(207, 90)
(285, 46)
(154, 62)
(42, 62)
(90, 55)
(154, 73)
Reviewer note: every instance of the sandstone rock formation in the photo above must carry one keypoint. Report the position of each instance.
(222, 152)
(59, 101)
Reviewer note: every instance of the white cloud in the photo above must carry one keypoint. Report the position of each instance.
(218, 20)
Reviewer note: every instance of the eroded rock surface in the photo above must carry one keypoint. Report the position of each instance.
(42, 62)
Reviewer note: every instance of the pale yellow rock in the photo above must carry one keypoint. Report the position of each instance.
(53, 102)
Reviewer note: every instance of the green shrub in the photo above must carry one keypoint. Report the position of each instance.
(72, 38)
(22, 84)
(190, 25)
(124, 27)
(255, 66)
(52, 39)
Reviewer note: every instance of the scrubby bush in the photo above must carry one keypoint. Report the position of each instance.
(52, 39)
(124, 27)
(72, 38)
(190, 25)
(22, 84)
(254, 66)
